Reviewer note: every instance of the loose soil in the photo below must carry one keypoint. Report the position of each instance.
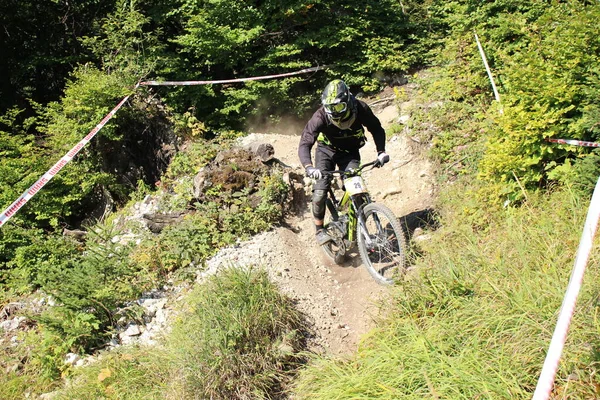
(341, 301)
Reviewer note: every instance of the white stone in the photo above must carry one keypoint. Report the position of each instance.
(161, 317)
(72, 358)
(11, 324)
(422, 238)
(152, 305)
(132, 330)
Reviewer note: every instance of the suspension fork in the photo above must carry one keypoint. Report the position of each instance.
(379, 228)
(358, 204)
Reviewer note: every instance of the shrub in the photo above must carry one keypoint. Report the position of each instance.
(238, 339)
(551, 92)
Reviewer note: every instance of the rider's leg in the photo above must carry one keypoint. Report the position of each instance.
(318, 206)
(347, 160)
(323, 161)
(319, 198)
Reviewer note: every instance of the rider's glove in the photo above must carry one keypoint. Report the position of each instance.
(313, 172)
(382, 158)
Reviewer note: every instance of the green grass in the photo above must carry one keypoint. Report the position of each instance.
(476, 319)
(237, 338)
(240, 338)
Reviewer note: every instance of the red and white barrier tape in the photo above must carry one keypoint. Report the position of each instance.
(36, 187)
(255, 78)
(574, 142)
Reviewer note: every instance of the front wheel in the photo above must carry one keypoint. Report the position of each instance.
(381, 244)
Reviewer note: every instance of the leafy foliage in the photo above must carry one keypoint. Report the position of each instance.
(550, 94)
(21, 161)
(39, 47)
(224, 40)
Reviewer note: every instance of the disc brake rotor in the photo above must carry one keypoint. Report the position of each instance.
(338, 237)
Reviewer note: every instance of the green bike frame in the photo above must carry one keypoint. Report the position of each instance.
(351, 203)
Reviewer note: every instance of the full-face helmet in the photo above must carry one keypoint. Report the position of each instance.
(339, 104)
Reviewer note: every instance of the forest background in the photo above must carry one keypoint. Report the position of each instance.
(65, 65)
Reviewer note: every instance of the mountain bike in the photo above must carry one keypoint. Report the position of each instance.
(357, 219)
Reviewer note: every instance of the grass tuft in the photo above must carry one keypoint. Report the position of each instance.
(237, 338)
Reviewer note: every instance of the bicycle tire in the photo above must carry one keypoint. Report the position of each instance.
(386, 259)
(335, 249)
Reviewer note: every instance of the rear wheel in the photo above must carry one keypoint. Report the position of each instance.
(383, 254)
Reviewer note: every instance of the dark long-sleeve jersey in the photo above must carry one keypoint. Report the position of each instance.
(320, 129)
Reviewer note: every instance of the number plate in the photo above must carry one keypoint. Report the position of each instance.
(355, 185)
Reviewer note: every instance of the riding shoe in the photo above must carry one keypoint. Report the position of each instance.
(322, 237)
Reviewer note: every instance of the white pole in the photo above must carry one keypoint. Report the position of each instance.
(487, 68)
(547, 376)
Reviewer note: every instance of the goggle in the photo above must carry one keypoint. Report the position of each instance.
(336, 108)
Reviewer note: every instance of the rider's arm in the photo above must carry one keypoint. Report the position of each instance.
(309, 137)
(372, 123)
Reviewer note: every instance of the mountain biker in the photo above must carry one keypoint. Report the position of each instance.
(338, 128)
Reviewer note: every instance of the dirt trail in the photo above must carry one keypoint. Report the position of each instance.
(339, 300)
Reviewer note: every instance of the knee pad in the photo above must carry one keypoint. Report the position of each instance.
(319, 196)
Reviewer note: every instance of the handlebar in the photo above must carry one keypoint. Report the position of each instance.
(355, 171)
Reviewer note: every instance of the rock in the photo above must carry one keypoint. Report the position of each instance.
(199, 182)
(147, 338)
(157, 222)
(9, 309)
(388, 114)
(130, 335)
(77, 234)
(13, 368)
(72, 359)
(152, 305)
(12, 324)
(132, 330)
(422, 238)
(285, 348)
(124, 239)
(161, 316)
(264, 151)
